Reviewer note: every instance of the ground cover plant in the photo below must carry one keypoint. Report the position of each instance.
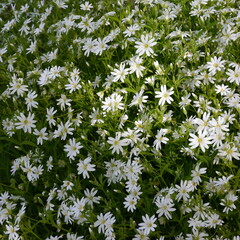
(119, 119)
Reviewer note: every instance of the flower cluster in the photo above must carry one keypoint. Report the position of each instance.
(120, 119)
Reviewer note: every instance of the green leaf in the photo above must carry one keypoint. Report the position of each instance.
(131, 90)
(29, 143)
(9, 140)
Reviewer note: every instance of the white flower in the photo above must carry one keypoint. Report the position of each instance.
(150, 80)
(63, 130)
(8, 126)
(85, 166)
(55, 72)
(2, 51)
(167, 117)
(196, 235)
(88, 46)
(100, 45)
(20, 213)
(185, 101)
(11, 230)
(201, 140)
(183, 190)
(86, 6)
(218, 125)
(228, 202)
(11, 61)
(63, 102)
(120, 73)
(229, 151)
(222, 184)
(227, 35)
(96, 116)
(135, 66)
(136, 192)
(114, 171)
(26, 123)
(234, 75)
(42, 135)
(108, 81)
(32, 48)
(72, 148)
(45, 77)
(71, 236)
(117, 144)
(113, 103)
(140, 235)
(164, 95)
(165, 206)
(197, 172)
(56, 237)
(133, 168)
(144, 46)
(200, 210)
(133, 136)
(78, 207)
(51, 56)
(131, 30)
(139, 99)
(50, 116)
(103, 221)
(216, 64)
(68, 185)
(213, 221)
(148, 224)
(203, 124)
(90, 196)
(130, 203)
(17, 86)
(32, 171)
(195, 223)
(73, 85)
(222, 89)
(131, 184)
(30, 100)
(217, 139)
(160, 138)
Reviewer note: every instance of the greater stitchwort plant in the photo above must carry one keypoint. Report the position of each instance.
(119, 119)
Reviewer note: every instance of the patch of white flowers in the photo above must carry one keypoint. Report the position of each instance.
(120, 119)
